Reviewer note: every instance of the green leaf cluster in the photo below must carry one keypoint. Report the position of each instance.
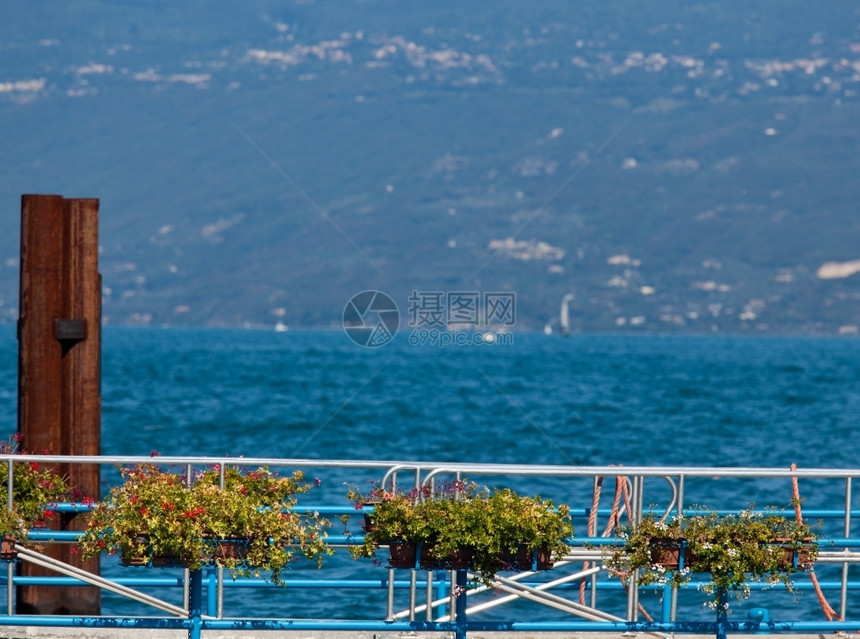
(460, 518)
(155, 514)
(35, 488)
(733, 549)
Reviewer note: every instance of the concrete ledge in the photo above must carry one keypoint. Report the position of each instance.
(27, 632)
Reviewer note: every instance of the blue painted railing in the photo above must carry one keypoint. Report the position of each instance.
(663, 489)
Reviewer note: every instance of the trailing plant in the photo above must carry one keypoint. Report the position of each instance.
(155, 514)
(36, 489)
(461, 519)
(733, 549)
(260, 508)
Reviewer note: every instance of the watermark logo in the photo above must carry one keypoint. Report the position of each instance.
(436, 318)
(455, 318)
(445, 310)
(371, 319)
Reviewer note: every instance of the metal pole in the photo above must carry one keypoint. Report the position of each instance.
(452, 595)
(220, 587)
(195, 604)
(635, 518)
(460, 590)
(722, 613)
(389, 616)
(10, 599)
(428, 602)
(843, 596)
(673, 598)
(413, 577)
(212, 604)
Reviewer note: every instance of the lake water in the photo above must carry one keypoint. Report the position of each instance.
(582, 400)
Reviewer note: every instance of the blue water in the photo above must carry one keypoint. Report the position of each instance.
(581, 400)
(731, 401)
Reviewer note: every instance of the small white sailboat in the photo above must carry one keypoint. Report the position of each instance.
(564, 315)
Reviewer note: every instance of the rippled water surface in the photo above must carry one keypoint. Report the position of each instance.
(581, 400)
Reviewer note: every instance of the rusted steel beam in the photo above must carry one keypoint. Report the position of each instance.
(81, 374)
(41, 302)
(59, 381)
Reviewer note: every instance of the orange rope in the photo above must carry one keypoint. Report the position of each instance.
(614, 519)
(829, 612)
(621, 488)
(592, 531)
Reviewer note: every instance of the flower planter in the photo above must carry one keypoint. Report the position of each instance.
(525, 559)
(733, 549)
(472, 523)
(227, 548)
(799, 558)
(155, 510)
(141, 555)
(7, 548)
(218, 550)
(369, 523)
(459, 560)
(402, 554)
(137, 554)
(669, 553)
(156, 561)
(409, 554)
(131, 559)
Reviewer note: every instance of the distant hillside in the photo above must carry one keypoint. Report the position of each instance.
(675, 166)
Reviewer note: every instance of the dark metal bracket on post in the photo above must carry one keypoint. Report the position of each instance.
(70, 330)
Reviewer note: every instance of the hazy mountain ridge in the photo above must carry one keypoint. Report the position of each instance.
(685, 169)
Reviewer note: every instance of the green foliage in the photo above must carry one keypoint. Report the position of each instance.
(459, 518)
(154, 513)
(733, 549)
(35, 488)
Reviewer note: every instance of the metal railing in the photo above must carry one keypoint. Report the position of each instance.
(576, 596)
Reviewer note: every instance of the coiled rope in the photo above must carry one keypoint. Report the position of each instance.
(622, 490)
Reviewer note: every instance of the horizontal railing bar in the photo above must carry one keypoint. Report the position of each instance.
(508, 469)
(69, 536)
(575, 512)
(161, 582)
(157, 582)
(143, 582)
(701, 627)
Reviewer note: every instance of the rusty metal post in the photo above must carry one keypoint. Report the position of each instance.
(41, 301)
(80, 419)
(59, 364)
